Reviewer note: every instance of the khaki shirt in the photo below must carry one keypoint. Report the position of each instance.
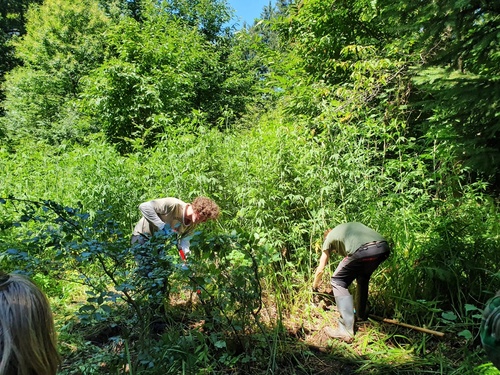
(159, 212)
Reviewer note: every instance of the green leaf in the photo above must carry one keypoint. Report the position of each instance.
(220, 344)
(106, 309)
(87, 309)
(449, 315)
(469, 307)
(466, 334)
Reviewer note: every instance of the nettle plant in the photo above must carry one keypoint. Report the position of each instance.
(65, 243)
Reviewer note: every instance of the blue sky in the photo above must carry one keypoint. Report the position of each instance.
(248, 10)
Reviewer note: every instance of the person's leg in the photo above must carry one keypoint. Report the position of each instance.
(368, 261)
(359, 266)
(362, 297)
(341, 279)
(140, 239)
(345, 327)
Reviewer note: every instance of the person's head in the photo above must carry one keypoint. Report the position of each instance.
(27, 335)
(204, 209)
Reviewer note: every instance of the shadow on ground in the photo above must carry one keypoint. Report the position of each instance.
(294, 344)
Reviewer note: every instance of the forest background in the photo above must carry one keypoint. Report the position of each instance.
(322, 112)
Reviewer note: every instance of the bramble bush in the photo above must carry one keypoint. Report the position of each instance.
(130, 288)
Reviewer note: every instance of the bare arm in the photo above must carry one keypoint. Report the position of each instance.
(321, 267)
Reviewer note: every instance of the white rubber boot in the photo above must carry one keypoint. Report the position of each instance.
(345, 329)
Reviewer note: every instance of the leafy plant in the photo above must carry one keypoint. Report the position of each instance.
(139, 280)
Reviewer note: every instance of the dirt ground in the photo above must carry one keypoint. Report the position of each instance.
(303, 348)
(310, 350)
(310, 331)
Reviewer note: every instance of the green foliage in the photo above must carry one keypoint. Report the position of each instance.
(66, 244)
(469, 120)
(384, 113)
(460, 34)
(39, 170)
(162, 72)
(357, 57)
(330, 36)
(64, 41)
(209, 16)
(146, 88)
(457, 71)
(131, 77)
(12, 23)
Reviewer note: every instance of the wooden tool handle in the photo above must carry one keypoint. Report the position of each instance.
(421, 329)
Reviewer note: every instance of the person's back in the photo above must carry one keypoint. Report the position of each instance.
(363, 250)
(348, 237)
(27, 335)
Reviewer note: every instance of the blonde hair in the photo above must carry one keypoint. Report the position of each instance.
(27, 335)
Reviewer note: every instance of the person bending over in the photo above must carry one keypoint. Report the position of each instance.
(363, 250)
(171, 215)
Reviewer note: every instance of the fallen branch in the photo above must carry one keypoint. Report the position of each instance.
(416, 328)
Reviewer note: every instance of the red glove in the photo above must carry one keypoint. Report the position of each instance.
(183, 256)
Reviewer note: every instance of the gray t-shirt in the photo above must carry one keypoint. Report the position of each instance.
(346, 238)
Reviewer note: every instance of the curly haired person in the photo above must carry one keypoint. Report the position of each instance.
(172, 215)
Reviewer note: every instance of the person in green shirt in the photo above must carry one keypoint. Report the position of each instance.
(363, 250)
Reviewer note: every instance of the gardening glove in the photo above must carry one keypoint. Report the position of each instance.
(184, 250)
(167, 230)
(182, 254)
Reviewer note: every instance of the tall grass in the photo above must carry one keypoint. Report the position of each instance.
(287, 185)
(283, 185)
